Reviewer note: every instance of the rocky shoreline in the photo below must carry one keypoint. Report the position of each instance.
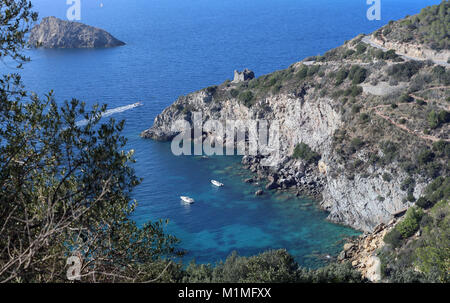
(295, 175)
(361, 252)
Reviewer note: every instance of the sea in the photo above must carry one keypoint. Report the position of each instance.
(174, 47)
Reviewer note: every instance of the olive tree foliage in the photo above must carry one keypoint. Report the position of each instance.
(16, 19)
(65, 187)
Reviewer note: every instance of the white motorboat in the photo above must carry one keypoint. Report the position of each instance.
(187, 199)
(216, 183)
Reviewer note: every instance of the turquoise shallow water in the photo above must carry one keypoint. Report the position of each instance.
(175, 47)
(231, 217)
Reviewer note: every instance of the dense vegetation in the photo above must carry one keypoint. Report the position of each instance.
(430, 27)
(272, 266)
(421, 240)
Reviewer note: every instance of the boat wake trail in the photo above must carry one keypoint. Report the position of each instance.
(112, 112)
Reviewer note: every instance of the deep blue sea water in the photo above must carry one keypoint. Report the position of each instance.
(175, 47)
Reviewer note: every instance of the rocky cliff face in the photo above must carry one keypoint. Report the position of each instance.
(56, 33)
(355, 202)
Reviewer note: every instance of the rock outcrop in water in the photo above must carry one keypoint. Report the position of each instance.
(56, 33)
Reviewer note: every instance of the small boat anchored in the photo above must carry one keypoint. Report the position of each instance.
(216, 183)
(187, 200)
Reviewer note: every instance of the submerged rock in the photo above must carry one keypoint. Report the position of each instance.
(56, 33)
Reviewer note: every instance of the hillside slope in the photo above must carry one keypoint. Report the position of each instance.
(422, 36)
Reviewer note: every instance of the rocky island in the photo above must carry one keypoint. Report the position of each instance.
(364, 129)
(56, 33)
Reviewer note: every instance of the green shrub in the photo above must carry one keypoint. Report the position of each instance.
(357, 74)
(444, 117)
(405, 98)
(356, 90)
(364, 118)
(393, 238)
(389, 150)
(436, 120)
(341, 76)
(246, 97)
(312, 70)
(442, 148)
(423, 203)
(390, 55)
(420, 102)
(356, 144)
(387, 177)
(303, 151)
(276, 88)
(425, 156)
(356, 108)
(302, 73)
(361, 48)
(438, 190)
(408, 184)
(234, 93)
(333, 273)
(404, 71)
(411, 197)
(212, 89)
(411, 223)
(349, 53)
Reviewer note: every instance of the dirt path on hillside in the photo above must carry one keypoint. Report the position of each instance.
(403, 127)
(369, 41)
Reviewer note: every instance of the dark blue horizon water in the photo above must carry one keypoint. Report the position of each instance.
(175, 47)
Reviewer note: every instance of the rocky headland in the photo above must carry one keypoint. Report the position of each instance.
(363, 129)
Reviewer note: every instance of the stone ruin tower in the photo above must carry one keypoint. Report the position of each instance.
(245, 75)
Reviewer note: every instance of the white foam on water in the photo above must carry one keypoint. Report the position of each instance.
(112, 112)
